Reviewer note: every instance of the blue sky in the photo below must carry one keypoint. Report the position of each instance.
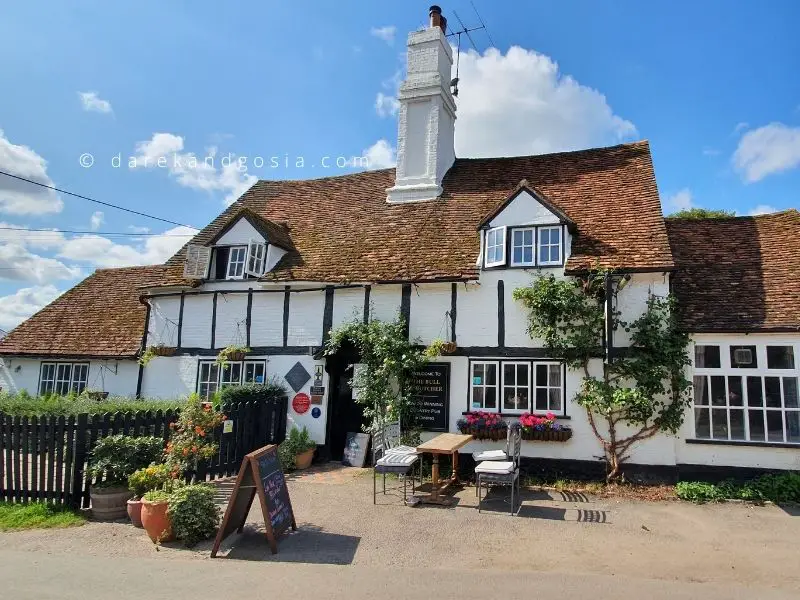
(713, 85)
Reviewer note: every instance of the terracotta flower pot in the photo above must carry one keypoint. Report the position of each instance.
(303, 460)
(135, 512)
(156, 521)
(109, 504)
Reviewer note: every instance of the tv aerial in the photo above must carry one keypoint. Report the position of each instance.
(466, 31)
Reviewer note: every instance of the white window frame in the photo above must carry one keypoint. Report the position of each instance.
(256, 258)
(220, 382)
(527, 386)
(240, 262)
(502, 245)
(523, 246)
(62, 379)
(537, 385)
(496, 385)
(727, 371)
(198, 261)
(540, 245)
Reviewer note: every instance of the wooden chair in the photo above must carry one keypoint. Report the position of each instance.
(389, 456)
(505, 473)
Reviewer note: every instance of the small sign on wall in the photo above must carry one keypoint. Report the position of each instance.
(301, 403)
(227, 426)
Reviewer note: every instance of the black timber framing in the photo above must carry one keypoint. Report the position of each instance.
(180, 320)
(140, 376)
(214, 319)
(286, 299)
(367, 292)
(501, 314)
(405, 308)
(453, 310)
(327, 314)
(249, 318)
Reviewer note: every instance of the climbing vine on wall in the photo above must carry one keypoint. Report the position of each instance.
(639, 393)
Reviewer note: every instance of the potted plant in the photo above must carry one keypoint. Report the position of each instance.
(113, 460)
(193, 514)
(142, 481)
(232, 354)
(303, 447)
(192, 436)
(156, 350)
(155, 516)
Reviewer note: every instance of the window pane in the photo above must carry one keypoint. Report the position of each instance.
(555, 399)
(554, 379)
(254, 372)
(737, 425)
(774, 426)
(477, 397)
(707, 357)
(719, 422)
(528, 237)
(702, 428)
(792, 426)
(63, 376)
(755, 395)
(554, 257)
(509, 374)
(701, 390)
(790, 392)
(541, 374)
(541, 399)
(491, 374)
(735, 397)
(516, 255)
(544, 236)
(527, 254)
(756, 425)
(780, 357)
(555, 236)
(772, 386)
(743, 357)
(490, 397)
(718, 390)
(80, 373)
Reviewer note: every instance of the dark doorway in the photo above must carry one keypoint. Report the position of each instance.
(344, 413)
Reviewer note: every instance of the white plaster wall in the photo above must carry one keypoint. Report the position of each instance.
(196, 331)
(348, 306)
(476, 318)
(305, 318)
(385, 302)
(266, 325)
(241, 233)
(524, 210)
(278, 366)
(170, 377)
(274, 254)
(117, 377)
(430, 304)
(231, 326)
(632, 300)
(164, 315)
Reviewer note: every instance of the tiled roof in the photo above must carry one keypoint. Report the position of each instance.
(344, 230)
(739, 273)
(99, 317)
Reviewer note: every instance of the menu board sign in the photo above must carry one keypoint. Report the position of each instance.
(430, 405)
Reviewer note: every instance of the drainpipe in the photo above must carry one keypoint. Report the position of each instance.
(143, 344)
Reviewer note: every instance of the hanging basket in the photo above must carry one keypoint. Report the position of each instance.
(163, 350)
(236, 356)
(449, 347)
(547, 435)
(97, 396)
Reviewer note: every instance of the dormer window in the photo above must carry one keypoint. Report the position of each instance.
(495, 247)
(237, 257)
(549, 246)
(523, 242)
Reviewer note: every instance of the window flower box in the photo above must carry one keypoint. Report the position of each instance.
(483, 426)
(542, 429)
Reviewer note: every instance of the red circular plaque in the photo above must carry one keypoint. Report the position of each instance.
(301, 403)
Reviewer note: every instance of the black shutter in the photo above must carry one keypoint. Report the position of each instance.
(222, 263)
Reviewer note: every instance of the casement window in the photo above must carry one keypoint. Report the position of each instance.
(63, 378)
(237, 257)
(746, 393)
(549, 245)
(256, 253)
(495, 247)
(523, 241)
(516, 386)
(212, 378)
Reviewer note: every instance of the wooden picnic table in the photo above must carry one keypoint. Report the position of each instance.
(446, 443)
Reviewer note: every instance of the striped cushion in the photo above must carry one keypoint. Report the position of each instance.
(392, 459)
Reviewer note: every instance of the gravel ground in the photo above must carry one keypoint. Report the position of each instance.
(555, 531)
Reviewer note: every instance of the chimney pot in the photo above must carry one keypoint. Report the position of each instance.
(437, 20)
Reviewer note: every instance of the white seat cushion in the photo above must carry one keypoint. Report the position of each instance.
(495, 467)
(391, 459)
(490, 455)
(402, 450)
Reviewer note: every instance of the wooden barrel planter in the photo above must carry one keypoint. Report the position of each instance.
(547, 435)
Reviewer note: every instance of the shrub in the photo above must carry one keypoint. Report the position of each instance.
(300, 440)
(154, 477)
(252, 392)
(25, 405)
(116, 457)
(191, 435)
(698, 491)
(781, 487)
(193, 513)
(286, 456)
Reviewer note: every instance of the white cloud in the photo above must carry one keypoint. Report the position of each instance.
(25, 302)
(380, 155)
(20, 197)
(741, 126)
(29, 239)
(19, 264)
(386, 106)
(96, 220)
(767, 150)
(681, 200)
(209, 172)
(93, 103)
(103, 252)
(385, 33)
(519, 103)
(762, 209)
(137, 229)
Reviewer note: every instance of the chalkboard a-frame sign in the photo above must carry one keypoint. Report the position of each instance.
(260, 474)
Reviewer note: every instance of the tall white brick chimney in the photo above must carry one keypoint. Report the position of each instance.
(427, 115)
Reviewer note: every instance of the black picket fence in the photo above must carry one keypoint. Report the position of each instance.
(45, 458)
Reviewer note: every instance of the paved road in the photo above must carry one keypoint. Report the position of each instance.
(26, 575)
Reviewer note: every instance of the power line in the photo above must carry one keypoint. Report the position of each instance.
(125, 233)
(122, 208)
